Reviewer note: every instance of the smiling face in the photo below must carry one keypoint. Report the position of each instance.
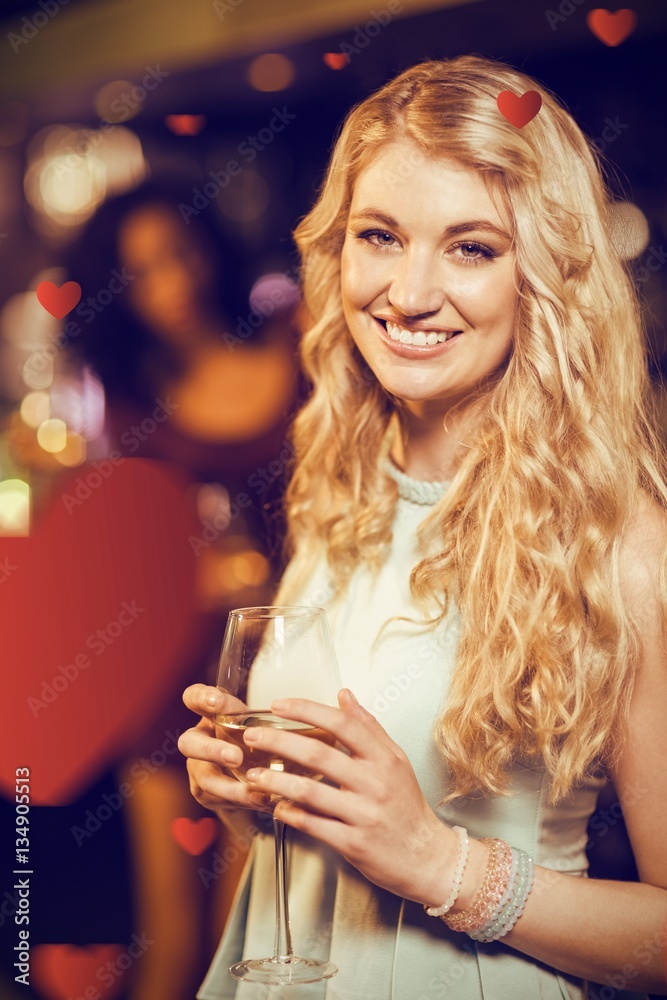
(430, 253)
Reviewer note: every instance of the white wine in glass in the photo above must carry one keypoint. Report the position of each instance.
(268, 653)
(231, 728)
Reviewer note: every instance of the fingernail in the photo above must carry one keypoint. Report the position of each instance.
(351, 694)
(253, 774)
(213, 699)
(251, 735)
(280, 704)
(232, 755)
(257, 798)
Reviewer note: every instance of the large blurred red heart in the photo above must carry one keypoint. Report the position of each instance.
(97, 617)
(63, 971)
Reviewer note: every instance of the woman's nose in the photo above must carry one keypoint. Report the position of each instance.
(417, 285)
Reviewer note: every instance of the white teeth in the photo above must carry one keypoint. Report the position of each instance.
(419, 337)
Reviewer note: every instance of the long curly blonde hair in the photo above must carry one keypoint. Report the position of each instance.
(531, 526)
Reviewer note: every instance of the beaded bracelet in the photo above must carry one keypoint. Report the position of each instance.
(439, 911)
(513, 908)
(496, 923)
(491, 890)
(519, 899)
(501, 907)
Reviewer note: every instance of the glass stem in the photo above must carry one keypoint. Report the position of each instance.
(282, 948)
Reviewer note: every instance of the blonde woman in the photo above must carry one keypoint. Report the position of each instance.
(478, 501)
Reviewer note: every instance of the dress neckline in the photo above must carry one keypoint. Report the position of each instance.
(421, 491)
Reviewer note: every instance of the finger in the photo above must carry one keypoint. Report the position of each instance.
(215, 790)
(197, 744)
(310, 753)
(362, 740)
(324, 799)
(210, 701)
(329, 831)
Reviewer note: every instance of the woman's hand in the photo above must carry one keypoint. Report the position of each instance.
(377, 818)
(207, 754)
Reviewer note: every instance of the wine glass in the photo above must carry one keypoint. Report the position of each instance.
(267, 653)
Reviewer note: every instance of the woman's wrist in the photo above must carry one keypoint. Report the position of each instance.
(456, 871)
(443, 862)
(487, 897)
(455, 888)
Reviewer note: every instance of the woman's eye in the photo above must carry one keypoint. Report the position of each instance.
(481, 253)
(379, 233)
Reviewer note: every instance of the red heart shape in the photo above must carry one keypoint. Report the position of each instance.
(194, 836)
(58, 301)
(65, 972)
(611, 27)
(519, 110)
(97, 619)
(335, 60)
(185, 124)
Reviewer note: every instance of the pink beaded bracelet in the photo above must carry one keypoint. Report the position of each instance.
(494, 884)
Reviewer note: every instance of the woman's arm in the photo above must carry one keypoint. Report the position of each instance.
(615, 932)
(600, 930)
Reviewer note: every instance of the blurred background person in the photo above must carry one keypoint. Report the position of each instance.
(185, 384)
(168, 342)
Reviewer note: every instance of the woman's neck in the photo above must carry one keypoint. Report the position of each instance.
(431, 446)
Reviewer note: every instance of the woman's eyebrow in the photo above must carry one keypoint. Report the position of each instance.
(477, 225)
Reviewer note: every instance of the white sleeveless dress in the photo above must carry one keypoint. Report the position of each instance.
(387, 948)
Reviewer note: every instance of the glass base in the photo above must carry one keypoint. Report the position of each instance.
(281, 972)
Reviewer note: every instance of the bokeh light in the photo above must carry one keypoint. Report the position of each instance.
(70, 185)
(213, 499)
(274, 291)
(35, 408)
(250, 567)
(71, 169)
(92, 392)
(109, 103)
(74, 452)
(14, 507)
(270, 72)
(37, 370)
(52, 434)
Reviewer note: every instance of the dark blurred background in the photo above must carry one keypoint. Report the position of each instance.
(160, 153)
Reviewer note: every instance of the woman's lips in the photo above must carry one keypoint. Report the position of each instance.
(415, 351)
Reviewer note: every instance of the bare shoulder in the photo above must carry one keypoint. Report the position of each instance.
(639, 775)
(642, 551)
